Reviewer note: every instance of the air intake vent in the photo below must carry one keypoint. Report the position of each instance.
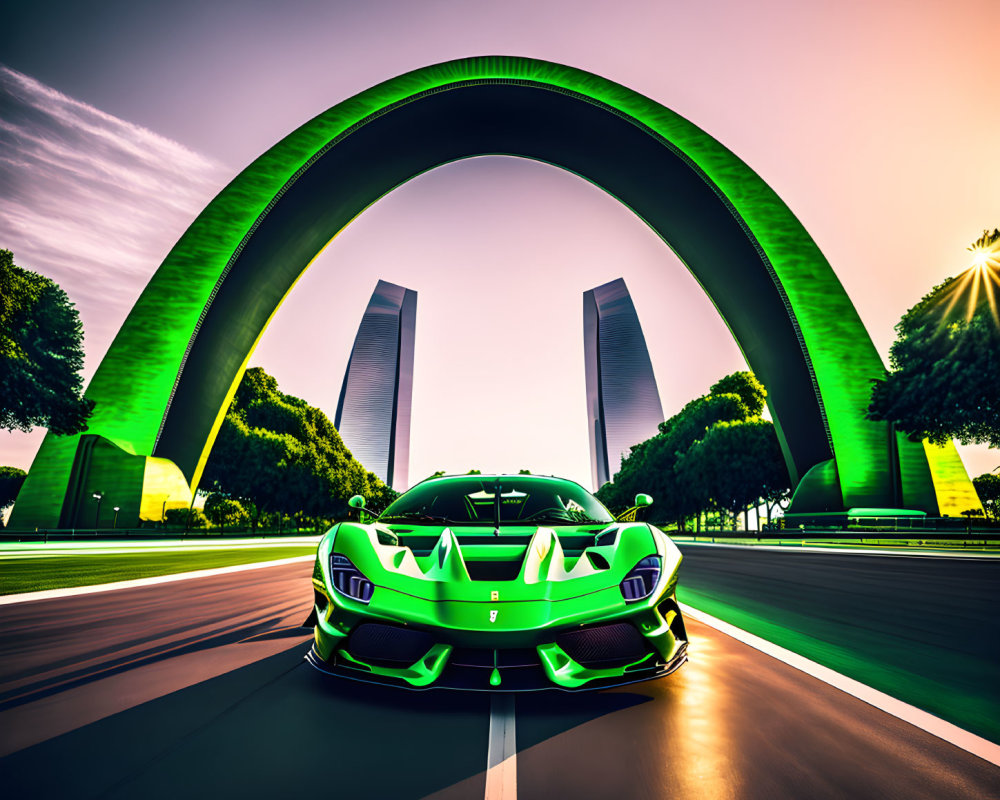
(605, 645)
(388, 645)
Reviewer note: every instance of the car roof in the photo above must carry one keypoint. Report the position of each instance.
(502, 475)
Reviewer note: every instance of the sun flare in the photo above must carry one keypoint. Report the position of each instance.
(980, 280)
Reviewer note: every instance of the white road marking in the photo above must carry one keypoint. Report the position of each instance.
(48, 594)
(501, 757)
(935, 726)
(847, 551)
(14, 550)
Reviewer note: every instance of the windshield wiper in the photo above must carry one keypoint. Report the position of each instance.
(551, 518)
(416, 516)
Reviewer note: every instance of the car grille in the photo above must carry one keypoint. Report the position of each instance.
(388, 645)
(603, 646)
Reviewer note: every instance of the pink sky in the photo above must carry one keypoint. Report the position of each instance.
(872, 121)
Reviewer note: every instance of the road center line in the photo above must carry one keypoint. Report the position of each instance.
(501, 756)
(935, 726)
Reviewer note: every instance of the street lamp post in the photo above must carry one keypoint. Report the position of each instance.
(98, 496)
(115, 523)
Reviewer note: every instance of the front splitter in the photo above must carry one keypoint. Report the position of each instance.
(514, 684)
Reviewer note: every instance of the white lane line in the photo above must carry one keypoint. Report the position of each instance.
(847, 551)
(86, 547)
(48, 594)
(935, 726)
(501, 757)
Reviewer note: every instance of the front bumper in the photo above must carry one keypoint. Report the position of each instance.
(646, 643)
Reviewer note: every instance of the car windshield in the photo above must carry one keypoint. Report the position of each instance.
(472, 500)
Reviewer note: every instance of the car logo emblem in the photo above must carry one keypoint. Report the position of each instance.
(493, 615)
(494, 595)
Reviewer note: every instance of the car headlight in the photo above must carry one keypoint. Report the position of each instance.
(641, 581)
(348, 579)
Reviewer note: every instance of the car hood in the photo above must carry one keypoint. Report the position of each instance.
(546, 571)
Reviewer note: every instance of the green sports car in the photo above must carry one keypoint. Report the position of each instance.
(497, 583)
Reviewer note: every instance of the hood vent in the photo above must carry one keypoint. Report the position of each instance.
(597, 561)
(493, 570)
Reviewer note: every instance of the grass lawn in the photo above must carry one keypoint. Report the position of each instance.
(20, 574)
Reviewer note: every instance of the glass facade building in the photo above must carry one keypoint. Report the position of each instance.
(373, 413)
(623, 403)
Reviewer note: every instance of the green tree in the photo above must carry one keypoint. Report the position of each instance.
(988, 489)
(222, 511)
(191, 519)
(253, 464)
(41, 354)
(746, 387)
(281, 456)
(11, 479)
(736, 465)
(683, 483)
(945, 379)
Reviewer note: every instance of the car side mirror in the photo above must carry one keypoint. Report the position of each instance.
(358, 502)
(641, 500)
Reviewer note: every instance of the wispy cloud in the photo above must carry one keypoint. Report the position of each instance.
(93, 202)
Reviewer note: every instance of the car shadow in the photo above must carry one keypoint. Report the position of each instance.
(278, 726)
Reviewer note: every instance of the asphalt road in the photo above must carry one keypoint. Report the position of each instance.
(929, 623)
(198, 689)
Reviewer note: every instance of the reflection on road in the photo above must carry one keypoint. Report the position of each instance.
(696, 747)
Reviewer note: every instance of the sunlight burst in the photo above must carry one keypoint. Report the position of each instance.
(980, 280)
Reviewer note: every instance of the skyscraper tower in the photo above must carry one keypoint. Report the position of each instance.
(373, 413)
(623, 404)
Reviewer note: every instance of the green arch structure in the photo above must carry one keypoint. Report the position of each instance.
(163, 388)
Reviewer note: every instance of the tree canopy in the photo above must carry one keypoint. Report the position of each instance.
(221, 510)
(988, 489)
(945, 378)
(41, 354)
(276, 453)
(717, 452)
(736, 465)
(11, 479)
